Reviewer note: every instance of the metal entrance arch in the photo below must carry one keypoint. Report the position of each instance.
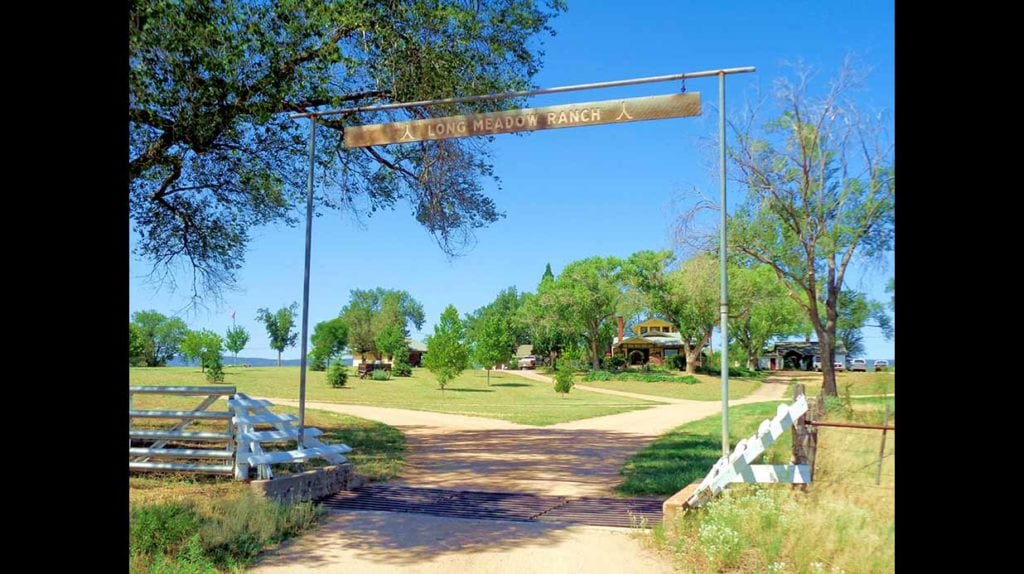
(444, 134)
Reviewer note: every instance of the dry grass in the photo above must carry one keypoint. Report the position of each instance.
(844, 522)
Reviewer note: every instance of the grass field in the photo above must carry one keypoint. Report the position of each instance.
(708, 389)
(508, 397)
(881, 383)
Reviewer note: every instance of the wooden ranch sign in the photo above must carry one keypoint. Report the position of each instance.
(527, 119)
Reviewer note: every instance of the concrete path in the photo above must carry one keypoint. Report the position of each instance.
(578, 458)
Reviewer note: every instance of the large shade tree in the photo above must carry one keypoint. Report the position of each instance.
(371, 312)
(584, 298)
(213, 153)
(820, 185)
(159, 336)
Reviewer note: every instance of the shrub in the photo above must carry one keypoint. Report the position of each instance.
(337, 374)
(381, 375)
(678, 362)
(563, 378)
(613, 363)
(215, 372)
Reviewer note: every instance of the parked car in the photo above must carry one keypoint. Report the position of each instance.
(528, 362)
(839, 367)
(881, 365)
(859, 365)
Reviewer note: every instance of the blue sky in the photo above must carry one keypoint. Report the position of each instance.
(572, 193)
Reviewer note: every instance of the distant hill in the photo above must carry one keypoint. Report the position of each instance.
(251, 361)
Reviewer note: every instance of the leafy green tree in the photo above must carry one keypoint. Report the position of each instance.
(237, 339)
(760, 311)
(330, 337)
(280, 327)
(213, 153)
(820, 185)
(584, 297)
(447, 353)
(548, 275)
(204, 345)
(695, 297)
(856, 311)
(400, 367)
(492, 341)
(136, 345)
(370, 312)
(161, 336)
(390, 340)
(890, 287)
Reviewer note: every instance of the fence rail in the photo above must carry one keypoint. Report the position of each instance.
(243, 444)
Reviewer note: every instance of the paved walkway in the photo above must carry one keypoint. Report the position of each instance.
(578, 458)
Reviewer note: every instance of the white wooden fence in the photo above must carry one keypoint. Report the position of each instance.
(243, 445)
(737, 467)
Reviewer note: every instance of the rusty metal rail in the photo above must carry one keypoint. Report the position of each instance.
(850, 425)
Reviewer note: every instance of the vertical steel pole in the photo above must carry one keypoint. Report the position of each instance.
(305, 284)
(722, 258)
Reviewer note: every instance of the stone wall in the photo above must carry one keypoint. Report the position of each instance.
(308, 485)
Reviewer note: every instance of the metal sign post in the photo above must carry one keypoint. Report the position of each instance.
(527, 119)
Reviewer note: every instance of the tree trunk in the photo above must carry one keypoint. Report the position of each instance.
(826, 348)
(488, 377)
(595, 361)
(279, 358)
(691, 361)
(751, 362)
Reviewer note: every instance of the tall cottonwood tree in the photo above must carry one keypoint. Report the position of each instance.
(820, 185)
(213, 153)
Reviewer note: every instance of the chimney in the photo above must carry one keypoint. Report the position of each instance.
(621, 327)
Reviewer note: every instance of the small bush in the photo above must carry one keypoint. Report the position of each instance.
(563, 379)
(381, 375)
(215, 372)
(678, 362)
(614, 363)
(337, 374)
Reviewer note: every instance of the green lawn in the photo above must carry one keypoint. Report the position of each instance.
(708, 389)
(508, 397)
(881, 383)
(686, 453)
